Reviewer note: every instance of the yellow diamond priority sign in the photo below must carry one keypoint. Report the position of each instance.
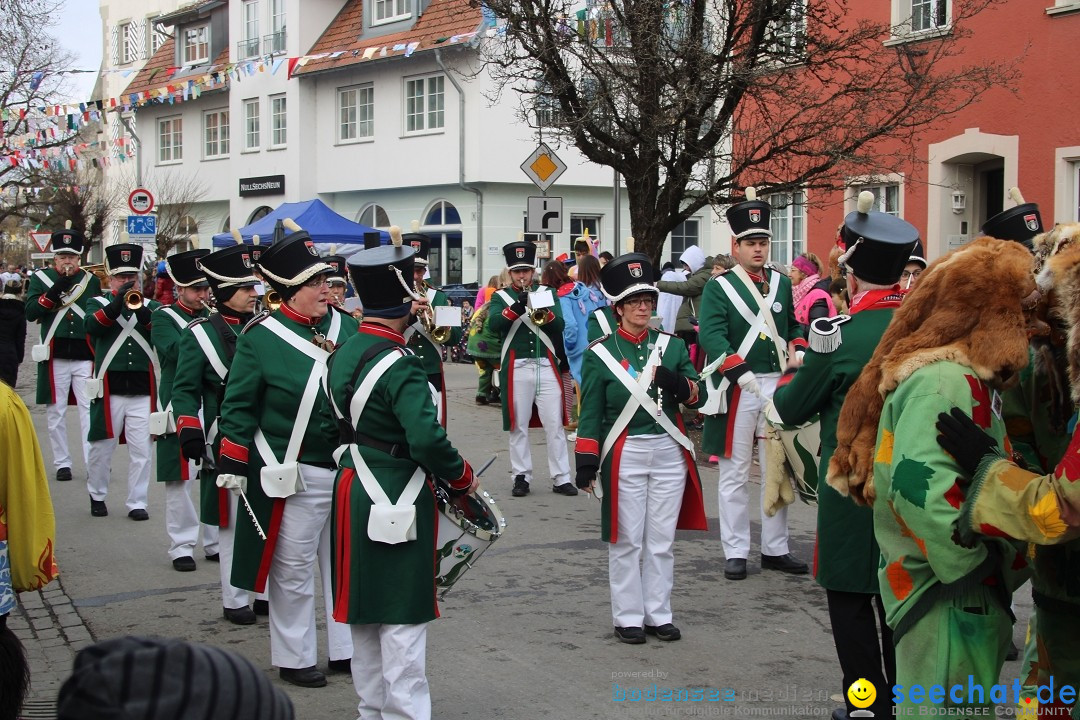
(543, 167)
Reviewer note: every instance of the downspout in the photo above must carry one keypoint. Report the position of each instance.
(480, 250)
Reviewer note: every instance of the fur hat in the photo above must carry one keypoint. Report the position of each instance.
(969, 308)
(1057, 257)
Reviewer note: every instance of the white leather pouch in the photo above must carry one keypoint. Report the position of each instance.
(39, 353)
(392, 524)
(94, 388)
(281, 481)
(162, 423)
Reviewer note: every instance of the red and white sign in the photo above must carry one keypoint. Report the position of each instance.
(42, 240)
(141, 201)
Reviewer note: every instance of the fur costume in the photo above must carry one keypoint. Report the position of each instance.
(968, 308)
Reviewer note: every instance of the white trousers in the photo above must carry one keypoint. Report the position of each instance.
(304, 540)
(232, 597)
(641, 564)
(735, 476)
(131, 415)
(388, 671)
(535, 382)
(182, 520)
(69, 374)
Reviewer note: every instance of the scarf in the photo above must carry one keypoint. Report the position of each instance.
(799, 291)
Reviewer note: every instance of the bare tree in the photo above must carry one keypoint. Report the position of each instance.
(691, 100)
(177, 205)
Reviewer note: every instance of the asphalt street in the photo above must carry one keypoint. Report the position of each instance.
(525, 634)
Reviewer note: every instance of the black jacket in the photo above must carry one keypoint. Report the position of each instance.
(12, 337)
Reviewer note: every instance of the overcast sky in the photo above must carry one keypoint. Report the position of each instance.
(78, 30)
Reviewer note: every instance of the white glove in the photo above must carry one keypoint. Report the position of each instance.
(236, 483)
(748, 382)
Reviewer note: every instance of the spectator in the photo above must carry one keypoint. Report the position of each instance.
(699, 270)
(667, 306)
(605, 258)
(12, 331)
(556, 277)
(812, 301)
(164, 288)
(12, 275)
(484, 293)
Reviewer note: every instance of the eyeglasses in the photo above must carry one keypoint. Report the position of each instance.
(637, 300)
(317, 282)
(910, 273)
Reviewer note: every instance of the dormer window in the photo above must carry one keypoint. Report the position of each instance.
(196, 44)
(391, 10)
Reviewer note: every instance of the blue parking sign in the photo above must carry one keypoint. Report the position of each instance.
(142, 226)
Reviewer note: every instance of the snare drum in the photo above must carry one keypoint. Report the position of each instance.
(468, 525)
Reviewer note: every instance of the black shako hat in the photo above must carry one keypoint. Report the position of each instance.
(383, 276)
(878, 245)
(1020, 223)
(421, 245)
(337, 268)
(68, 241)
(291, 261)
(627, 275)
(123, 258)
(750, 218)
(184, 268)
(520, 255)
(228, 269)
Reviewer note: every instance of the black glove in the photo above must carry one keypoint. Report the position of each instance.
(672, 383)
(959, 436)
(114, 309)
(62, 285)
(193, 448)
(518, 308)
(586, 474)
(144, 315)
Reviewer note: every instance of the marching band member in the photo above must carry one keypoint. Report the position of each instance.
(384, 582)
(123, 387)
(336, 279)
(205, 353)
(529, 372)
(59, 299)
(650, 481)
(173, 469)
(275, 449)
(846, 554)
(422, 335)
(747, 318)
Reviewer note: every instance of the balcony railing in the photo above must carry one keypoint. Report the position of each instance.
(274, 44)
(247, 49)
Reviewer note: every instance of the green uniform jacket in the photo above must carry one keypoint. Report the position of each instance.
(846, 555)
(722, 329)
(918, 504)
(603, 397)
(264, 391)
(597, 327)
(196, 387)
(430, 352)
(42, 310)
(103, 333)
(375, 582)
(165, 331)
(524, 344)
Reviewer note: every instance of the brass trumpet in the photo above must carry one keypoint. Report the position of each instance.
(427, 319)
(538, 316)
(272, 300)
(133, 299)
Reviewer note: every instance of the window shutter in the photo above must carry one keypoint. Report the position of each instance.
(114, 44)
(140, 40)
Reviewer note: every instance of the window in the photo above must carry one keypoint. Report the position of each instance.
(171, 139)
(275, 43)
(248, 47)
(373, 216)
(196, 45)
(187, 233)
(277, 121)
(251, 124)
(788, 224)
(390, 10)
(686, 234)
(424, 104)
(580, 223)
(130, 43)
(928, 15)
(356, 113)
(548, 110)
(260, 212)
(886, 197)
(216, 134)
(442, 224)
(788, 41)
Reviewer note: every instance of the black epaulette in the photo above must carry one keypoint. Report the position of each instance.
(599, 340)
(255, 321)
(195, 322)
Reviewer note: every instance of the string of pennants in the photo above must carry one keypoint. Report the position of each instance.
(63, 122)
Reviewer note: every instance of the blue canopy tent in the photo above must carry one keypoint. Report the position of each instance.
(325, 226)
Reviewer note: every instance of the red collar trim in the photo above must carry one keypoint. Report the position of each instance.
(633, 338)
(298, 317)
(186, 309)
(756, 278)
(382, 331)
(230, 320)
(878, 299)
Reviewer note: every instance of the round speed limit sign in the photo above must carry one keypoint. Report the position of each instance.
(140, 201)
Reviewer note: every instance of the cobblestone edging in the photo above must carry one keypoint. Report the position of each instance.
(52, 631)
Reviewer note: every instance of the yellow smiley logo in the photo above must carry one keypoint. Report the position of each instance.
(862, 693)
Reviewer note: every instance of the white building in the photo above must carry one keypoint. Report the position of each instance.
(384, 122)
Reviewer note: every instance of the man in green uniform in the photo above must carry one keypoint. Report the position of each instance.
(206, 349)
(747, 323)
(423, 336)
(846, 554)
(124, 386)
(529, 379)
(181, 520)
(384, 582)
(277, 439)
(58, 300)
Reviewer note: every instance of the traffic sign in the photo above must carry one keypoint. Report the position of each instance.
(543, 167)
(544, 215)
(140, 201)
(142, 227)
(42, 240)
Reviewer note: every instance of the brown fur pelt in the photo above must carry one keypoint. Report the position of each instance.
(1060, 282)
(967, 309)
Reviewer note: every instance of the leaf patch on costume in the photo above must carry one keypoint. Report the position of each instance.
(885, 447)
(980, 395)
(955, 495)
(1047, 517)
(911, 479)
(900, 582)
